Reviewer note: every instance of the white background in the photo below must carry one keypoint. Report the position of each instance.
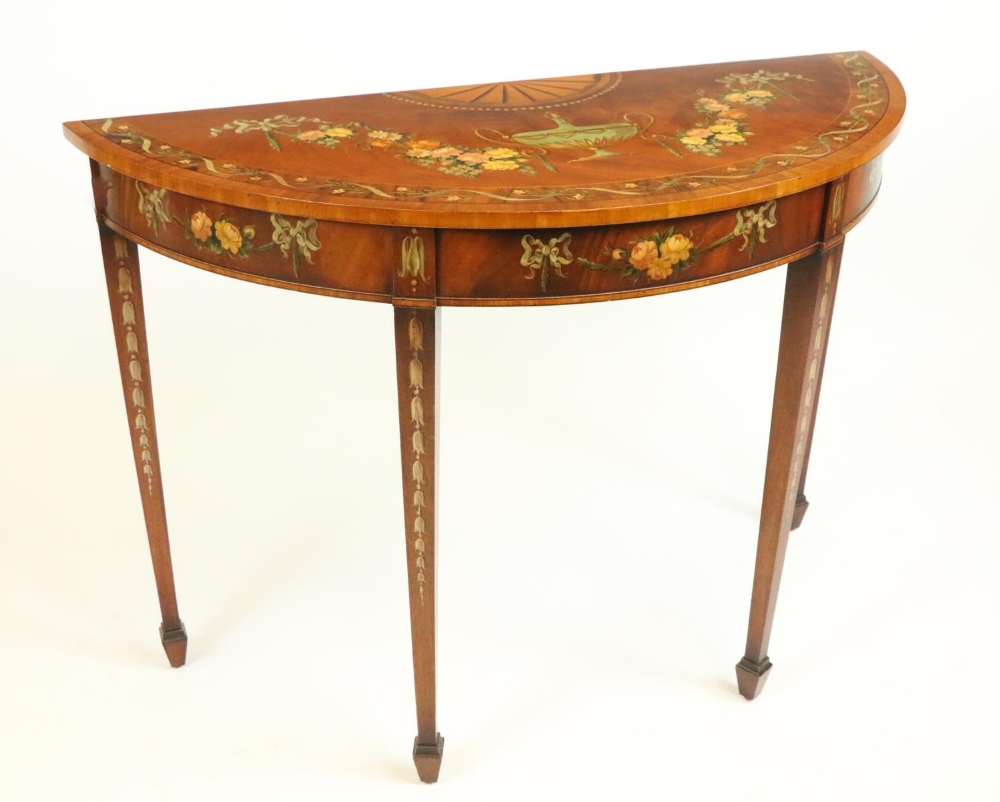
(602, 465)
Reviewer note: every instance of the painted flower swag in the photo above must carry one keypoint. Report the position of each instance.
(429, 153)
(657, 257)
(725, 115)
(297, 241)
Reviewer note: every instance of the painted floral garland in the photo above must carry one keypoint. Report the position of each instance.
(725, 123)
(657, 256)
(297, 241)
(428, 153)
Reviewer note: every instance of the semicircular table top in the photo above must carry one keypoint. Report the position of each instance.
(611, 147)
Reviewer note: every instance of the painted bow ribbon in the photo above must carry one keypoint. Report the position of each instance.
(300, 240)
(541, 256)
(753, 225)
(268, 126)
(153, 204)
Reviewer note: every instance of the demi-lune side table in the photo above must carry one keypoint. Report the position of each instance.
(561, 190)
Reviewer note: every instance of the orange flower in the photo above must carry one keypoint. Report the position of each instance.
(710, 104)
(642, 254)
(732, 114)
(378, 143)
(424, 144)
(659, 269)
(229, 236)
(201, 226)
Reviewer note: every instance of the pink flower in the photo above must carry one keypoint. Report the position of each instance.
(311, 136)
(704, 133)
(472, 158)
(445, 153)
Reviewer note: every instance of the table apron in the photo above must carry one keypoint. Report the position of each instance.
(470, 267)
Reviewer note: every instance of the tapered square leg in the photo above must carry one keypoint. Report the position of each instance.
(809, 292)
(121, 266)
(416, 359)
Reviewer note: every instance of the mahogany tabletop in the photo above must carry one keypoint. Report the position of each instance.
(580, 150)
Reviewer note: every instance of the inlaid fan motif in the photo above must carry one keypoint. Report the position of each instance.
(508, 95)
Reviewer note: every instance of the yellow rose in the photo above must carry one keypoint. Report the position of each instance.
(659, 269)
(229, 236)
(722, 128)
(759, 93)
(736, 97)
(201, 226)
(249, 232)
(676, 249)
(500, 165)
(693, 140)
(642, 254)
(500, 153)
(618, 254)
(730, 138)
(337, 132)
